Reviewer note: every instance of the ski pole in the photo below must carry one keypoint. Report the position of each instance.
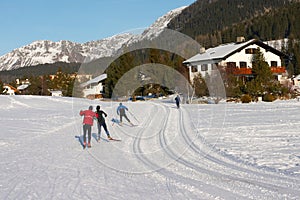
(134, 117)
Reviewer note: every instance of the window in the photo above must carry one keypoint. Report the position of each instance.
(194, 69)
(243, 65)
(204, 67)
(231, 64)
(274, 64)
(251, 51)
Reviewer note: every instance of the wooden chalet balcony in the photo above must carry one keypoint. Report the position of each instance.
(248, 71)
(278, 70)
(239, 71)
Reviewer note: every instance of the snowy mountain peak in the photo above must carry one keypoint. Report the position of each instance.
(157, 27)
(163, 21)
(46, 51)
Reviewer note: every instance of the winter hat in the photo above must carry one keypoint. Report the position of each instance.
(91, 108)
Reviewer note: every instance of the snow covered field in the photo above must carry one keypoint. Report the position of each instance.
(224, 151)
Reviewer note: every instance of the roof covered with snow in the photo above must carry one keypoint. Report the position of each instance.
(224, 51)
(297, 77)
(22, 87)
(95, 80)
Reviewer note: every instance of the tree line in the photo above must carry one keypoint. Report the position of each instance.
(43, 84)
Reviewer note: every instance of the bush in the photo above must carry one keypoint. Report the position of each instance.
(246, 98)
(268, 98)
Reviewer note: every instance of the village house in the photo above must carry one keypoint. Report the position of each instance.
(94, 88)
(296, 84)
(22, 85)
(236, 58)
(56, 93)
(9, 90)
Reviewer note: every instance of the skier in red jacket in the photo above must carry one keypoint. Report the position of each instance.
(88, 120)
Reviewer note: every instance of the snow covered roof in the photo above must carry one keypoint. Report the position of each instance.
(222, 52)
(9, 87)
(22, 87)
(95, 80)
(297, 77)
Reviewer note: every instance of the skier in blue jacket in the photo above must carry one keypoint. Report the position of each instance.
(177, 100)
(121, 110)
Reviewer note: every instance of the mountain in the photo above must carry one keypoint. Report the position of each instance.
(157, 27)
(45, 51)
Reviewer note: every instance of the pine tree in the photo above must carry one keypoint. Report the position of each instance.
(200, 86)
(263, 81)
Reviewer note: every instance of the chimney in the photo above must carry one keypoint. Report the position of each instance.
(202, 50)
(240, 39)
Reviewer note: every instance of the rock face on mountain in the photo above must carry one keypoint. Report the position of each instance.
(42, 52)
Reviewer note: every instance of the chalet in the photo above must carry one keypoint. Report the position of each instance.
(9, 90)
(22, 85)
(235, 58)
(94, 88)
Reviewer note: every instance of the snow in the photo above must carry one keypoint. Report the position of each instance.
(223, 151)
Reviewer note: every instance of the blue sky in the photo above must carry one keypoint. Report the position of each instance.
(25, 21)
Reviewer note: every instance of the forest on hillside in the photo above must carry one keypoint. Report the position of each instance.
(39, 70)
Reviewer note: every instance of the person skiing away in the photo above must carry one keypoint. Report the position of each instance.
(88, 120)
(101, 122)
(121, 110)
(177, 100)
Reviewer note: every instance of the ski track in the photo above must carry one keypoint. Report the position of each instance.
(257, 178)
(181, 166)
(179, 178)
(258, 183)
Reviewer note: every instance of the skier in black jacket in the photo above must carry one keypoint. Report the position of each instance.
(101, 122)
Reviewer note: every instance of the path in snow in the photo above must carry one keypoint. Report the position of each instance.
(190, 153)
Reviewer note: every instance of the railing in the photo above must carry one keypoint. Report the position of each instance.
(248, 71)
(278, 70)
(239, 71)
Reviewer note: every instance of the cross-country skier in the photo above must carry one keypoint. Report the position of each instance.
(88, 120)
(101, 122)
(177, 100)
(121, 110)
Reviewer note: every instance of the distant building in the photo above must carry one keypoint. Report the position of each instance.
(94, 88)
(296, 81)
(296, 84)
(235, 58)
(56, 93)
(22, 85)
(9, 90)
